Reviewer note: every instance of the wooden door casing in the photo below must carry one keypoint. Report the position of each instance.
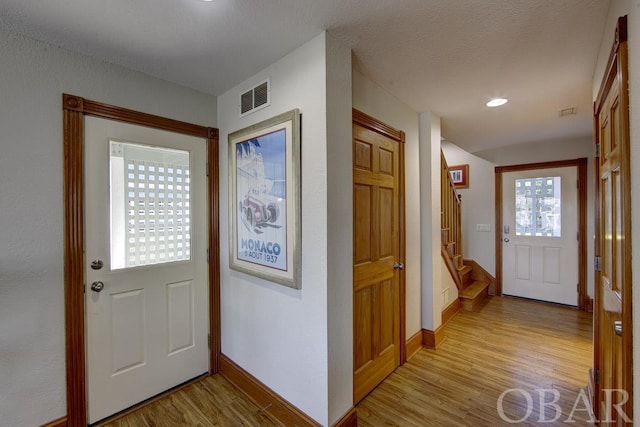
(581, 163)
(377, 288)
(613, 350)
(75, 109)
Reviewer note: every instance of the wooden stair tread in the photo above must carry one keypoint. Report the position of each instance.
(474, 289)
(464, 269)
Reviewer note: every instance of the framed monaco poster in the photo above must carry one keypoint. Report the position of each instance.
(264, 200)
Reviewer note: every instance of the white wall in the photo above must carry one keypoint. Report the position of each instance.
(371, 99)
(430, 213)
(448, 288)
(33, 76)
(631, 8)
(546, 151)
(281, 335)
(339, 228)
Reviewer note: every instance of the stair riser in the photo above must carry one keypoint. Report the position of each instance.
(457, 261)
(451, 249)
(472, 304)
(466, 279)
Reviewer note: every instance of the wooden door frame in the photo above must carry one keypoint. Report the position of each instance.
(375, 125)
(74, 110)
(584, 302)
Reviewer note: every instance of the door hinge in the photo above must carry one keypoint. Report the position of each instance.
(597, 150)
(207, 256)
(207, 168)
(596, 374)
(209, 340)
(597, 263)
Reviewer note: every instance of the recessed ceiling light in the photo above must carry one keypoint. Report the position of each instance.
(496, 102)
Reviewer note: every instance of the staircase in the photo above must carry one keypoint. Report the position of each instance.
(472, 281)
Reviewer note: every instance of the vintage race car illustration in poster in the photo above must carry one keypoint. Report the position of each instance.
(262, 200)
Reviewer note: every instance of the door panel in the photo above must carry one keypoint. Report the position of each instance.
(610, 303)
(376, 290)
(613, 359)
(362, 199)
(145, 214)
(386, 207)
(127, 330)
(385, 306)
(540, 229)
(180, 316)
(523, 262)
(551, 265)
(363, 334)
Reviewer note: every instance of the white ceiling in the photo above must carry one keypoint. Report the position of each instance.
(445, 56)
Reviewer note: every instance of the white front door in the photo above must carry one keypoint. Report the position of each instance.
(146, 255)
(540, 234)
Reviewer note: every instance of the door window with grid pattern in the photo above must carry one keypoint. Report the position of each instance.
(150, 205)
(538, 206)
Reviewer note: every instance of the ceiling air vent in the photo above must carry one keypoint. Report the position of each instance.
(255, 98)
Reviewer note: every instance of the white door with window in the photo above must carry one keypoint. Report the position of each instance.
(540, 234)
(146, 254)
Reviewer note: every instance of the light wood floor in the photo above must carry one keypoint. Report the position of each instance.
(509, 343)
(211, 401)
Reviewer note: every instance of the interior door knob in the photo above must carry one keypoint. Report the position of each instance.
(97, 286)
(398, 266)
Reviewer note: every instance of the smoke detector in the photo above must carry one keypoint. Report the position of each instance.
(572, 111)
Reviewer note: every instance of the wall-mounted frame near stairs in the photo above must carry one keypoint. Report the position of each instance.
(584, 302)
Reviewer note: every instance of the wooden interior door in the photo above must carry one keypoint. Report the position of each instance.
(613, 394)
(376, 257)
